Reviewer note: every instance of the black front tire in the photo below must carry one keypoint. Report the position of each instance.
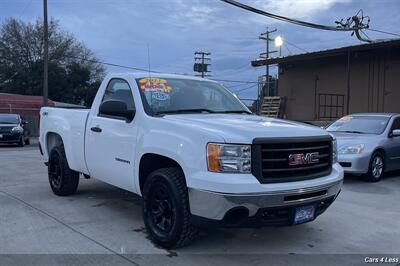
(27, 141)
(63, 180)
(166, 210)
(376, 168)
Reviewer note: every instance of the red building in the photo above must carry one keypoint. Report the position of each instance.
(26, 106)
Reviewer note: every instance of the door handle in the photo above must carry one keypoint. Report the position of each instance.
(96, 129)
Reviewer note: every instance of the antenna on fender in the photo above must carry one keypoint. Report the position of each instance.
(148, 59)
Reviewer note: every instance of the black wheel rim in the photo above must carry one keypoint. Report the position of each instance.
(55, 171)
(161, 210)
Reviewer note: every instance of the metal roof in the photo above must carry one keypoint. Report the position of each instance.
(327, 53)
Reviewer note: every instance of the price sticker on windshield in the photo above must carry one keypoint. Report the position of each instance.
(155, 85)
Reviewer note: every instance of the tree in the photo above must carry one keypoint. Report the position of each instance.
(73, 71)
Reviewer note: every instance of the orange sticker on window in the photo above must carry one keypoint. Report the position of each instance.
(155, 85)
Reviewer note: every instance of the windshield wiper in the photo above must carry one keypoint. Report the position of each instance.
(352, 131)
(235, 112)
(198, 110)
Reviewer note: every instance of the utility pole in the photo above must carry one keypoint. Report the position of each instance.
(202, 66)
(266, 37)
(45, 55)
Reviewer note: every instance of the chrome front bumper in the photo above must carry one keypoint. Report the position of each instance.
(212, 205)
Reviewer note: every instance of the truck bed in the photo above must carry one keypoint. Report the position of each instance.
(70, 124)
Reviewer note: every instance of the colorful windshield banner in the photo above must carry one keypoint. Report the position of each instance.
(154, 85)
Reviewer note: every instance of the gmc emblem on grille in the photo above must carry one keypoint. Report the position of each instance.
(301, 158)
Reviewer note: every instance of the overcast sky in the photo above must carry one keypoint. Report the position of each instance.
(118, 31)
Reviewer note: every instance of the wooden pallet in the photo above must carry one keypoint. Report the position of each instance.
(273, 107)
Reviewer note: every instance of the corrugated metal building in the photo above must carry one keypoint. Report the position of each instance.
(328, 84)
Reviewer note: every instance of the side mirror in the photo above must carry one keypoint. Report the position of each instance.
(116, 109)
(395, 133)
(24, 122)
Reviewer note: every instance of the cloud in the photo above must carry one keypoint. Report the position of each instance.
(299, 9)
(193, 12)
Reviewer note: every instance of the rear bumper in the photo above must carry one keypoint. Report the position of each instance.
(253, 210)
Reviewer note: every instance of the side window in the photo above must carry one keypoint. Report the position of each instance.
(396, 124)
(118, 89)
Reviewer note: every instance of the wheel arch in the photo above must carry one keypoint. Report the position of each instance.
(150, 162)
(383, 152)
(53, 139)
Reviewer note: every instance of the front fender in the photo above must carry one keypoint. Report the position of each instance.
(186, 147)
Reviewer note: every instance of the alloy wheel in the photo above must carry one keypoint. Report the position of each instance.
(377, 167)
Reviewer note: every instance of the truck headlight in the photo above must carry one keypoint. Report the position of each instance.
(229, 158)
(16, 130)
(352, 149)
(334, 152)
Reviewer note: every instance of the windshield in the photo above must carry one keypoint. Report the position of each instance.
(360, 124)
(9, 119)
(174, 95)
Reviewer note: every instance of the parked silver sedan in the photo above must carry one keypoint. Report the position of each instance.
(368, 143)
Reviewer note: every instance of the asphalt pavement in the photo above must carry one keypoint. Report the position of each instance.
(102, 225)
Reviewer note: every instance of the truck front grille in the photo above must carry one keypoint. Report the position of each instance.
(291, 159)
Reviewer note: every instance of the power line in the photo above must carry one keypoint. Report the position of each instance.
(298, 47)
(235, 86)
(386, 32)
(347, 26)
(287, 48)
(153, 71)
(7, 79)
(240, 69)
(241, 90)
(112, 64)
(235, 81)
(365, 34)
(25, 7)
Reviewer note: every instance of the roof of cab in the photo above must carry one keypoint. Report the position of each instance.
(160, 75)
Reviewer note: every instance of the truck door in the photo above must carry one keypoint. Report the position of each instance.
(393, 150)
(111, 141)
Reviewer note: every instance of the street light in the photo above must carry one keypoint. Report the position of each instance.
(279, 43)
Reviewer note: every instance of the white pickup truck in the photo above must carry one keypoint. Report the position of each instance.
(194, 152)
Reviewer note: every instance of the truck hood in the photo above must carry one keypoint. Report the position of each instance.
(345, 139)
(237, 128)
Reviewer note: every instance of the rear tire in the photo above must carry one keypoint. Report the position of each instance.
(27, 141)
(376, 168)
(166, 210)
(63, 180)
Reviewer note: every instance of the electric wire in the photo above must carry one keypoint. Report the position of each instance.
(386, 32)
(290, 20)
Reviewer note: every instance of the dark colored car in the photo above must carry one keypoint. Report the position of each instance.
(12, 130)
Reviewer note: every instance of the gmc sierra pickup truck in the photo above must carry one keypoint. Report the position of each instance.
(195, 153)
